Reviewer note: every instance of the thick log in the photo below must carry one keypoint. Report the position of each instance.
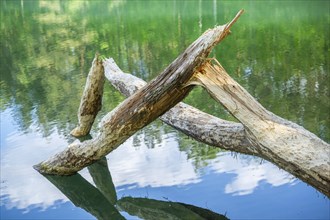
(191, 121)
(140, 109)
(91, 100)
(292, 148)
(280, 141)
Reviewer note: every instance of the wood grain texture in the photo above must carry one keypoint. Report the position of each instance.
(140, 109)
(261, 133)
(197, 124)
(280, 141)
(91, 100)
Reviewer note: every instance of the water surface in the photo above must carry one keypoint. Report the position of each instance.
(278, 51)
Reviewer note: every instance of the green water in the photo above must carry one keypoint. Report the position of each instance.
(278, 51)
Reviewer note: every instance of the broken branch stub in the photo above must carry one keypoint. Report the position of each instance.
(140, 109)
(91, 100)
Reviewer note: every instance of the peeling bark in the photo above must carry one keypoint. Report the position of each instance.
(140, 109)
(91, 100)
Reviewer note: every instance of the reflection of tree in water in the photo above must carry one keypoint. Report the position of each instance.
(151, 136)
(47, 48)
(157, 132)
(101, 201)
(280, 56)
(197, 152)
(40, 88)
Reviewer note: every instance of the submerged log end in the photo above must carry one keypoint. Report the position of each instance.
(62, 163)
(69, 161)
(46, 168)
(43, 168)
(80, 131)
(84, 126)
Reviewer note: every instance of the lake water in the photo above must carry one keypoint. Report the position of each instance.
(278, 51)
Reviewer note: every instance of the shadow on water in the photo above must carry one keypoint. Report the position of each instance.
(154, 209)
(101, 200)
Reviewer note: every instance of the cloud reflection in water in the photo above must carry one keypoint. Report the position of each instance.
(131, 167)
(21, 185)
(249, 173)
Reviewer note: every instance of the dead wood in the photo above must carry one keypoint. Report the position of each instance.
(264, 134)
(91, 100)
(280, 141)
(201, 126)
(261, 133)
(140, 109)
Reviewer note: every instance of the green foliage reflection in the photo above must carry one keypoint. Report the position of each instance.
(279, 51)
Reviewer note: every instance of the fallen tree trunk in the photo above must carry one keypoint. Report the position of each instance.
(191, 121)
(284, 143)
(140, 109)
(275, 139)
(280, 141)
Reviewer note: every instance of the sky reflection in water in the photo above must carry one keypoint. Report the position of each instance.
(278, 51)
(162, 172)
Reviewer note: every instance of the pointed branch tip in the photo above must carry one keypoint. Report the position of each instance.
(228, 26)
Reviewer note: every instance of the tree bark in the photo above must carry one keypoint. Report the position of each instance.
(275, 139)
(140, 109)
(280, 141)
(91, 100)
(191, 121)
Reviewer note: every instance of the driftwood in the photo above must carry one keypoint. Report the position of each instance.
(264, 134)
(280, 141)
(91, 100)
(261, 133)
(201, 126)
(140, 109)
